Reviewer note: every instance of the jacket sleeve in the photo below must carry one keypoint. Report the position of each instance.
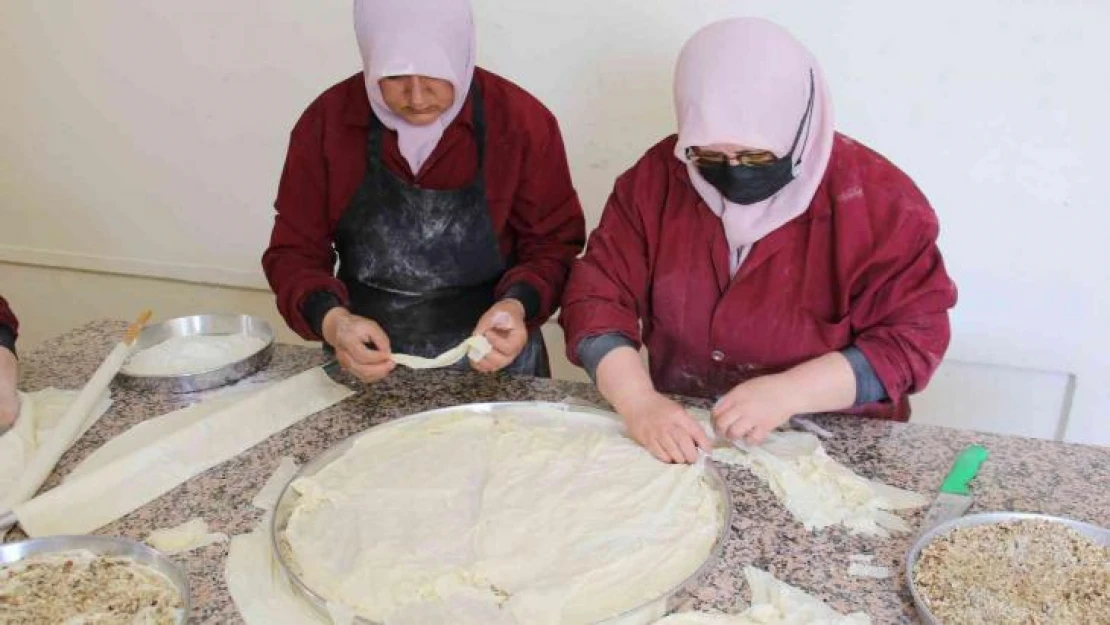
(899, 314)
(607, 292)
(300, 260)
(549, 228)
(9, 326)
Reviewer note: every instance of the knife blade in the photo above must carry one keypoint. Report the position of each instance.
(954, 497)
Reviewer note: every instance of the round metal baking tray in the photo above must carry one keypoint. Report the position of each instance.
(110, 546)
(1100, 535)
(202, 325)
(649, 612)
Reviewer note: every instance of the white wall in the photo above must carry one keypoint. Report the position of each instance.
(147, 137)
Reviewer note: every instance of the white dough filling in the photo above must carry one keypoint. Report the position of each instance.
(540, 522)
(186, 355)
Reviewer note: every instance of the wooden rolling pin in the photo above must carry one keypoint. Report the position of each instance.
(46, 457)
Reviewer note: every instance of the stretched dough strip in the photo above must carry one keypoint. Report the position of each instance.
(102, 495)
(476, 347)
(147, 432)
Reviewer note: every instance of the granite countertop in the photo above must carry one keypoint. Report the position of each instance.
(1022, 475)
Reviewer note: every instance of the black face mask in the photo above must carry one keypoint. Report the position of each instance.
(751, 184)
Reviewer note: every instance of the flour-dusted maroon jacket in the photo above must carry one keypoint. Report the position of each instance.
(860, 266)
(534, 207)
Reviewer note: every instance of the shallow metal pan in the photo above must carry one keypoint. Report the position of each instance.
(196, 325)
(1099, 535)
(649, 612)
(110, 546)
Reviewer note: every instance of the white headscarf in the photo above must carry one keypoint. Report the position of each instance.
(433, 38)
(746, 81)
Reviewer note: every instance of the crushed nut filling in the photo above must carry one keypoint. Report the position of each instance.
(81, 588)
(1022, 572)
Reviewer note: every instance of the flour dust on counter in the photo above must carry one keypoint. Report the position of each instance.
(499, 520)
(773, 603)
(187, 355)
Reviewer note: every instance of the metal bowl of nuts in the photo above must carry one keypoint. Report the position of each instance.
(1010, 567)
(90, 579)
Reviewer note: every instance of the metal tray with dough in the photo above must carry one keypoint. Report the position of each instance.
(648, 612)
(1099, 535)
(110, 546)
(202, 325)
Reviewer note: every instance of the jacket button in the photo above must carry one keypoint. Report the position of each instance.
(717, 356)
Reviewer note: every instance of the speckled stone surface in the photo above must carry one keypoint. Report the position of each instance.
(1022, 475)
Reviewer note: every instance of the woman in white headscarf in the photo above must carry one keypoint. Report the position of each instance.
(443, 191)
(763, 259)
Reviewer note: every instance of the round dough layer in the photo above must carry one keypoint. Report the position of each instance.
(541, 522)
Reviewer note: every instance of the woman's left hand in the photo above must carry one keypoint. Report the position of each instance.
(754, 408)
(503, 326)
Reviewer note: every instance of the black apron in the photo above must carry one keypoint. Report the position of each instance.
(424, 263)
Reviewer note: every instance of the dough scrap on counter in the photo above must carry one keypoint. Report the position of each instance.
(190, 535)
(773, 603)
(858, 569)
(549, 522)
(819, 491)
(270, 492)
(189, 355)
(39, 413)
(260, 589)
(100, 496)
(476, 347)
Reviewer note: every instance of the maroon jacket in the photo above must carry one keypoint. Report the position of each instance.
(534, 207)
(860, 266)
(9, 325)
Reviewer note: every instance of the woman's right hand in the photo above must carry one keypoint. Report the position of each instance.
(664, 428)
(361, 346)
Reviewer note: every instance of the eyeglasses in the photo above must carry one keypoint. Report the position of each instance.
(751, 158)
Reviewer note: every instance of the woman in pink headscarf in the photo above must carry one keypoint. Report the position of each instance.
(763, 259)
(443, 191)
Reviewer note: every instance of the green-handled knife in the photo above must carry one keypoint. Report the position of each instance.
(954, 497)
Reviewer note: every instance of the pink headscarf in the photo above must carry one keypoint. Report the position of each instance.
(746, 81)
(424, 37)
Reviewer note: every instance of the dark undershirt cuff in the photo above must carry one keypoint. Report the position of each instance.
(7, 338)
(592, 349)
(527, 295)
(317, 305)
(869, 388)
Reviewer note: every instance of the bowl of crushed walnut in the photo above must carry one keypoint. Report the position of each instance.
(90, 579)
(1003, 568)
